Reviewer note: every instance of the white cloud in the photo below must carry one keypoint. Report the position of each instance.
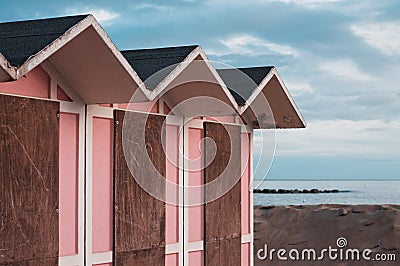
(254, 46)
(297, 89)
(345, 69)
(383, 36)
(102, 15)
(308, 3)
(151, 7)
(364, 138)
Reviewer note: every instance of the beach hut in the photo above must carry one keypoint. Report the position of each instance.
(74, 184)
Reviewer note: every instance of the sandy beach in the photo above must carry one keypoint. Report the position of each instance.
(318, 227)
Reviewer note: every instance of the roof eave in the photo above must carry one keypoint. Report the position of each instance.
(261, 87)
(47, 52)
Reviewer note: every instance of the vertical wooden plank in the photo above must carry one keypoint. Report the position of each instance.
(139, 218)
(223, 215)
(29, 166)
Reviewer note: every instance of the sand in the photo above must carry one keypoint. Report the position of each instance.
(375, 227)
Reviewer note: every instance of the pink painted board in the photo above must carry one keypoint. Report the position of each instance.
(172, 193)
(245, 254)
(35, 84)
(61, 95)
(103, 264)
(167, 110)
(195, 178)
(142, 107)
(222, 119)
(196, 258)
(68, 184)
(245, 182)
(172, 259)
(102, 185)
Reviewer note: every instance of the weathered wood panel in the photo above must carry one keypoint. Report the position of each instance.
(223, 252)
(29, 145)
(223, 216)
(139, 218)
(142, 257)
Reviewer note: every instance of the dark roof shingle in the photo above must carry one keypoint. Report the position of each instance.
(242, 84)
(22, 39)
(147, 62)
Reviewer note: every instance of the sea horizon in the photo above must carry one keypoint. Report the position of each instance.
(351, 192)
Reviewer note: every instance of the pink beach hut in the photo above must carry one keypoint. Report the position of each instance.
(71, 177)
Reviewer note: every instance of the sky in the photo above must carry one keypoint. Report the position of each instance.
(340, 60)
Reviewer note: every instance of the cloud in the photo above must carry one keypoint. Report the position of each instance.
(345, 69)
(297, 89)
(364, 138)
(102, 15)
(383, 36)
(148, 6)
(253, 46)
(308, 3)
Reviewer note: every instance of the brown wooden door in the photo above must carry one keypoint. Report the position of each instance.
(139, 218)
(223, 215)
(29, 145)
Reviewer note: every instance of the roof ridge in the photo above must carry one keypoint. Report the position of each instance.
(160, 48)
(43, 19)
(254, 67)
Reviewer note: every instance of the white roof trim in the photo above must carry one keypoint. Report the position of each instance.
(303, 121)
(262, 85)
(174, 73)
(7, 68)
(70, 34)
(257, 90)
(198, 51)
(220, 81)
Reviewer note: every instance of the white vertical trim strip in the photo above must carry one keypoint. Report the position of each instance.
(185, 195)
(161, 106)
(181, 226)
(81, 186)
(89, 184)
(92, 112)
(251, 199)
(53, 88)
(78, 108)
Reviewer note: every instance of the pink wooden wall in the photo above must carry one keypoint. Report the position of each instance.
(35, 84)
(102, 198)
(68, 183)
(196, 224)
(245, 182)
(196, 258)
(172, 212)
(171, 260)
(245, 254)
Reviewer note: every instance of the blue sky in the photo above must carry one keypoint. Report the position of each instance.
(340, 60)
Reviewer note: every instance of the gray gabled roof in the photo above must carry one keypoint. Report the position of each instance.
(162, 61)
(22, 39)
(241, 82)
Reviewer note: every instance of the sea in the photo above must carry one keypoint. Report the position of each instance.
(352, 192)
